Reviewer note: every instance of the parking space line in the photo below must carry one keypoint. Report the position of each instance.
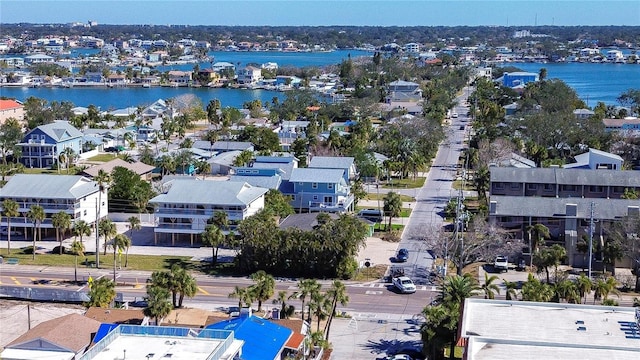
(203, 291)
(15, 280)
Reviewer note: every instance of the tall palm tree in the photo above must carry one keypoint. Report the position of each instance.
(158, 303)
(78, 250)
(36, 214)
(392, 206)
(457, 288)
(584, 285)
(220, 219)
(263, 288)
(213, 236)
(535, 290)
(537, 234)
(183, 284)
(9, 210)
(510, 290)
(80, 229)
(306, 287)
(243, 295)
(119, 243)
(489, 288)
(281, 299)
(62, 222)
(337, 294)
(107, 229)
(103, 179)
(319, 306)
(134, 225)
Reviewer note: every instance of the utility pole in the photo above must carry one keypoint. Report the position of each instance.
(591, 229)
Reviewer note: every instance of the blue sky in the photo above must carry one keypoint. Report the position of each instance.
(325, 12)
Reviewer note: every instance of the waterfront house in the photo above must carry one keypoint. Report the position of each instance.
(319, 189)
(518, 78)
(11, 109)
(583, 114)
(38, 59)
(249, 76)
(42, 146)
(221, 66)
(180, 78)
(76, 195)
(186, 206)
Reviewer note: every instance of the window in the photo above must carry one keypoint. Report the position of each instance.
(548, 186)
(329, 186)
(515, 185)
(314, 185)
(85, 213)
(596, 188)
(532, 187)
(499, 186)
(328, 199)
(315, 197)
(569, 187)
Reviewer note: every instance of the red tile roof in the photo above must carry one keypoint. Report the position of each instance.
(9, 104)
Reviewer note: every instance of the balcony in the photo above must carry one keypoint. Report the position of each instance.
(339, 206)
(166, 212)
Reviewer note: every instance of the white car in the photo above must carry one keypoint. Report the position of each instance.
(454, 115)
(501, 264)
(404, 285)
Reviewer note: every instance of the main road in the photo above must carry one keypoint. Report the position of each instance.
(426, 219)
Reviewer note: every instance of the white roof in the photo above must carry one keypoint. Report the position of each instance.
(45, 186)
(209, 192)
(36, 354)
(161, 346)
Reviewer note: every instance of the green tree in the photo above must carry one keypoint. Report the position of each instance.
(548, 257)
(319, 306)
(103, 179)
(213, 236)
(392, 206)
(177, 281)
(119, 243)
(510, 290)
(134, 225)
(263, 288)
(106, 228)
(537, 234)
(278, 203)
(306, 287)
(62, 222)
(10, 135)
(102, 292)
(489, 288)
(584, 286)
(158, 303)
(128, 188)
(535, 290)
(336, 294)
(9, 211)
(77, 248)
(285, 310)
(36, 215)
(243, 295)
(81, 229)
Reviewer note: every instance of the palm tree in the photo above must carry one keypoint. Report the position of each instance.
(243, 295)
(535, 290)
(36, 214)
(103, 179)
(264, 287)
(584, 285)
(392, 206)
(158, 303)
(9, 210)
(81, 229)
(184, 284)
(78, 250)
(101, 293)
(489, 288)
(134, 224)
(337, 294)
(213, 236)
(107, 229)
(120, 242)
(319, 305)
(62, 222)
(204, 167)
(510, 290)
(457, 288)
(285, 310)
(306, 287)
(567, 290)
(537, 234)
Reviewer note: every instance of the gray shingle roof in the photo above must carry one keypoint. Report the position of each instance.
(567, 176)
(286, 169)
(309, 175)
(267, 182)
(210, 192)
(556, 207)
(46, 186)
(59, 131)
(231, 145)
(330, 162)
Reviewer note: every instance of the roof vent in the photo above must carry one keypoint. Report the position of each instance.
(582, 328)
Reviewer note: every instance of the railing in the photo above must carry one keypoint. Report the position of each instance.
(203, 212)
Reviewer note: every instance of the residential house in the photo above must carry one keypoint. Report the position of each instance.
(222, 66)
(180, 78)
(38, 59)
(564, 200)
(186, 205)
(583, 114)
(76, 195)
(629, 126)
(42, 146)
(249, 75)
(142, 169)
(264, 178)
(596, 159)
(222, 163)
(263, 339)
(518, 78)
(320, 189)
(63, 338)
(343, 163)
(11, 109)
(164, 342)
(223, 146)
(117, 316)
(403, 91)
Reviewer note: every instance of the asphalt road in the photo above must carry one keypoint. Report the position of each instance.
(426, 217)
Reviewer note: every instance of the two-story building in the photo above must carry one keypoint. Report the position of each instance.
(320, 189)
(344, 163)
(42, 146)
(11, 109)
(76, 195)
(564, 200)
(180, 78)
(249, 75)
(186, 205)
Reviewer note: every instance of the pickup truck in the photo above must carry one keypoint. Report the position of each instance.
(404, 284)
(501, 264)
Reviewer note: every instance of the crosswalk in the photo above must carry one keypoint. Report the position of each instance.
(385, 285)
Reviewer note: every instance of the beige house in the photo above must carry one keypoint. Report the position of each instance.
(11, 109)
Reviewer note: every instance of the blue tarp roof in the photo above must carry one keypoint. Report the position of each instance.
(263, 338)
(103, 330)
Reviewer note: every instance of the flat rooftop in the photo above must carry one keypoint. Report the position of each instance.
(135, 347)
(500, 329)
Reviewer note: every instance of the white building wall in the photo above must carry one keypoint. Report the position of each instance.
(255, 206)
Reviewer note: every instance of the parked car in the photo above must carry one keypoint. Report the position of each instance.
(454, 115)
(501, 264)
(402, 255)
(5, 231)
(373, 215)
(404, 285)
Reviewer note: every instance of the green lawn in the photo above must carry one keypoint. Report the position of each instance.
(381, 227)
(43, 171)
(406, 212)
(102, 157)
(408, 183)
(374, 196)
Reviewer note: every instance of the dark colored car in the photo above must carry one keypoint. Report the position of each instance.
(403, 255)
